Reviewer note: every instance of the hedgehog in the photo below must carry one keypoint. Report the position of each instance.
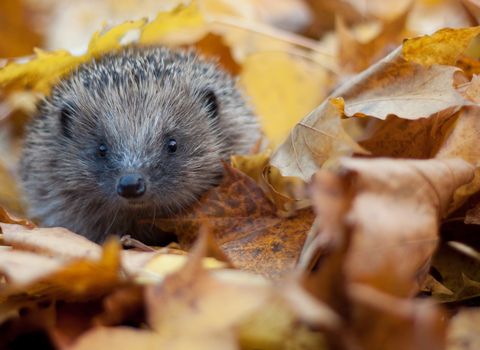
(137, 133)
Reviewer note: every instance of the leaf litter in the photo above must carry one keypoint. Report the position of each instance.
(389, 156)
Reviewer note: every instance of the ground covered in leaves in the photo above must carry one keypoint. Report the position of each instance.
(353, 224)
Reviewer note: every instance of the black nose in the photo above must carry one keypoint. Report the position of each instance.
(131, 186)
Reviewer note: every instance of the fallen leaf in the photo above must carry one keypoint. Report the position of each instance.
(55, 242)
(463, 332)
(312, 141)
(469, 66)
(23, 267)
(356, 56)
(283, 87)
(418, 139)
(402, 197)
(79, 281)
(392, 86)
(6, 217)
(444, 47)
(247, 226)
(252, 165)
(463, 142)
(212, 46)
(191, 304)
(402, 88)
(399, 323)
(275, 325)
(122, 337)
(433, 287)
(42, 72)
(472, 93)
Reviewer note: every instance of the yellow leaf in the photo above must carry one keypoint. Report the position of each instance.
(443, 47)
(283, 88)
(177, 20)
(46, 69)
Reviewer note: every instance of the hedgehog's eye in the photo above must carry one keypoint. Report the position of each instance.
(66, 121)
(211, 103)
(172, 146)
(102, 150)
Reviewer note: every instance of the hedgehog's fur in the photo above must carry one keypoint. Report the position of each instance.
(133, 101)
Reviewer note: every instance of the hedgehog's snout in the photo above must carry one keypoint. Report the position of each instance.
(131, 186)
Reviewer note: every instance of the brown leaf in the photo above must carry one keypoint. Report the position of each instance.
(400, 87)
(392, 86)
(56, 242)
(469, 66)
(212, 46)
(357, 56)
(472, 93)
(403, 138)
(463, 332)
(6, 217)
(463, 142)
(457, 271)
(393, 212)
(193, 304)
(246, 225)
(280, 199)
(81, 281)
(371, 319)
(398, 323)
(24, 267)
(120, 338)
(312, 141)
(125, 304)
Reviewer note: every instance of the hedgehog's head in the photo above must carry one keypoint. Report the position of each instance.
(142, 138)
(138, 134)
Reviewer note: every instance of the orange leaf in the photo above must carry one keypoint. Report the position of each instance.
(246, 225)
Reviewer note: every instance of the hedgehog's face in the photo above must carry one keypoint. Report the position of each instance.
(144, 153)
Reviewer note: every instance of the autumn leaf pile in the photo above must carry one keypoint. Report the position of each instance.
(353, 223)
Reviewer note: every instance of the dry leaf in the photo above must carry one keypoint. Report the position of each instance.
(393, 86)
(399, 323)
(394, 213)
(193, 306)
(22, 268)
(55, 242)
(284, 88)
(443, 47)
(402, 88)
(41, 73)
(356, 56)
(316, 138)
(120, 338)
(463, 142)
(463, 333)
(403, 138)
(248, 227)
(6, 217)
(80, 281)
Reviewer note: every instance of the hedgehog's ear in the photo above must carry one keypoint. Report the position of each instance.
(66, 117)
(211, 104)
